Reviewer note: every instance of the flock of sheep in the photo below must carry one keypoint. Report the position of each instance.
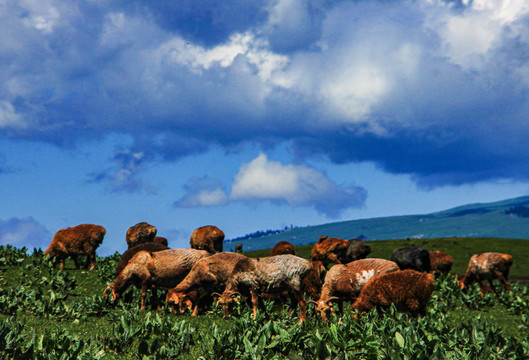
(196, 275)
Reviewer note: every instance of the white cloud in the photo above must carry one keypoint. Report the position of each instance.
(297, 185)
(9, 117)
(478, 28)
(202, 192)
(198, 58)
(215, 197)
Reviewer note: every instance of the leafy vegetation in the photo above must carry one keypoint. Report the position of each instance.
(50, 314)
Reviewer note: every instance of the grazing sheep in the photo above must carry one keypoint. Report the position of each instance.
(409, 290)
(330, 250)
(440, 262)
(238, 247)
(488, 266)
(140, 233)
(209, 238)
(207, 276)
(412, 257)
(344, 282)
(128, 254)
(147, 270)
(82, 239)
(357, 250)
(313, 281)
(160, 240)
(311, 284)
(273, 274)
(283, 247)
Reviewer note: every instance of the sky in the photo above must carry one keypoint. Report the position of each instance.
(254, 115)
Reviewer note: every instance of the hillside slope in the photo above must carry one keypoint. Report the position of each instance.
(503, 219)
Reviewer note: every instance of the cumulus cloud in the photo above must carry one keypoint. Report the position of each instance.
(202, 192)
(296, 185)
(20, 232)
(432, 88)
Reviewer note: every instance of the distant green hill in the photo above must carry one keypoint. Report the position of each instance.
(503, 219)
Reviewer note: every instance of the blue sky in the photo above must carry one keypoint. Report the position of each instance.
(254, 115)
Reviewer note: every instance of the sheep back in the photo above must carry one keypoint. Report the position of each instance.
(409, 290)
(330, 250)
(140, 233)
(209, 238)
(412, 257)
(440, 262)
(128, 254)
(283, 247)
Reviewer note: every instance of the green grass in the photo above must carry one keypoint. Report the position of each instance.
(48, 313)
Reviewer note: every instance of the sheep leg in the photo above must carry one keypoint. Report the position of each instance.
(143, 295)
(300, 299)
(504, 281)
(484, 288)
(75, 259)
(255, 300)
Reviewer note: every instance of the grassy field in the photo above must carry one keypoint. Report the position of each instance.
(51, 314)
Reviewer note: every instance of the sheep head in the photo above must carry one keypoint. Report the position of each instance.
(324, 307)
(226, 300)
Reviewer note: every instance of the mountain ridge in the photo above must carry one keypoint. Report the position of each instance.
(493, 219)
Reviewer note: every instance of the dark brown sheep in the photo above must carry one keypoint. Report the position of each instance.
(209, 238)
(82, 239)
(358, 249)
(128, 254)
(330, 250)
(409, 290)
(488, 266)
(160, 240)
(238, 247)
(344, 282)
(207, 276)
(283, 247)
(412, 257)
(140, 233)
(440, 262)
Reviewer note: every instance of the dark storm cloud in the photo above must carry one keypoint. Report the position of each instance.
(433, 89)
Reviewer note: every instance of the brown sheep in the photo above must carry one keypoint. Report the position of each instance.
(409, 290)
(140, 233)
(283, 247)
(488, 266)
(440, 262)
(82, 239)
(269, 274)
(344, 282)
(209, 238)
(357, 250)
(238, 247)
(330, 250)
(160, 240)
(207, 276)
(147, 270)
(128, 254)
